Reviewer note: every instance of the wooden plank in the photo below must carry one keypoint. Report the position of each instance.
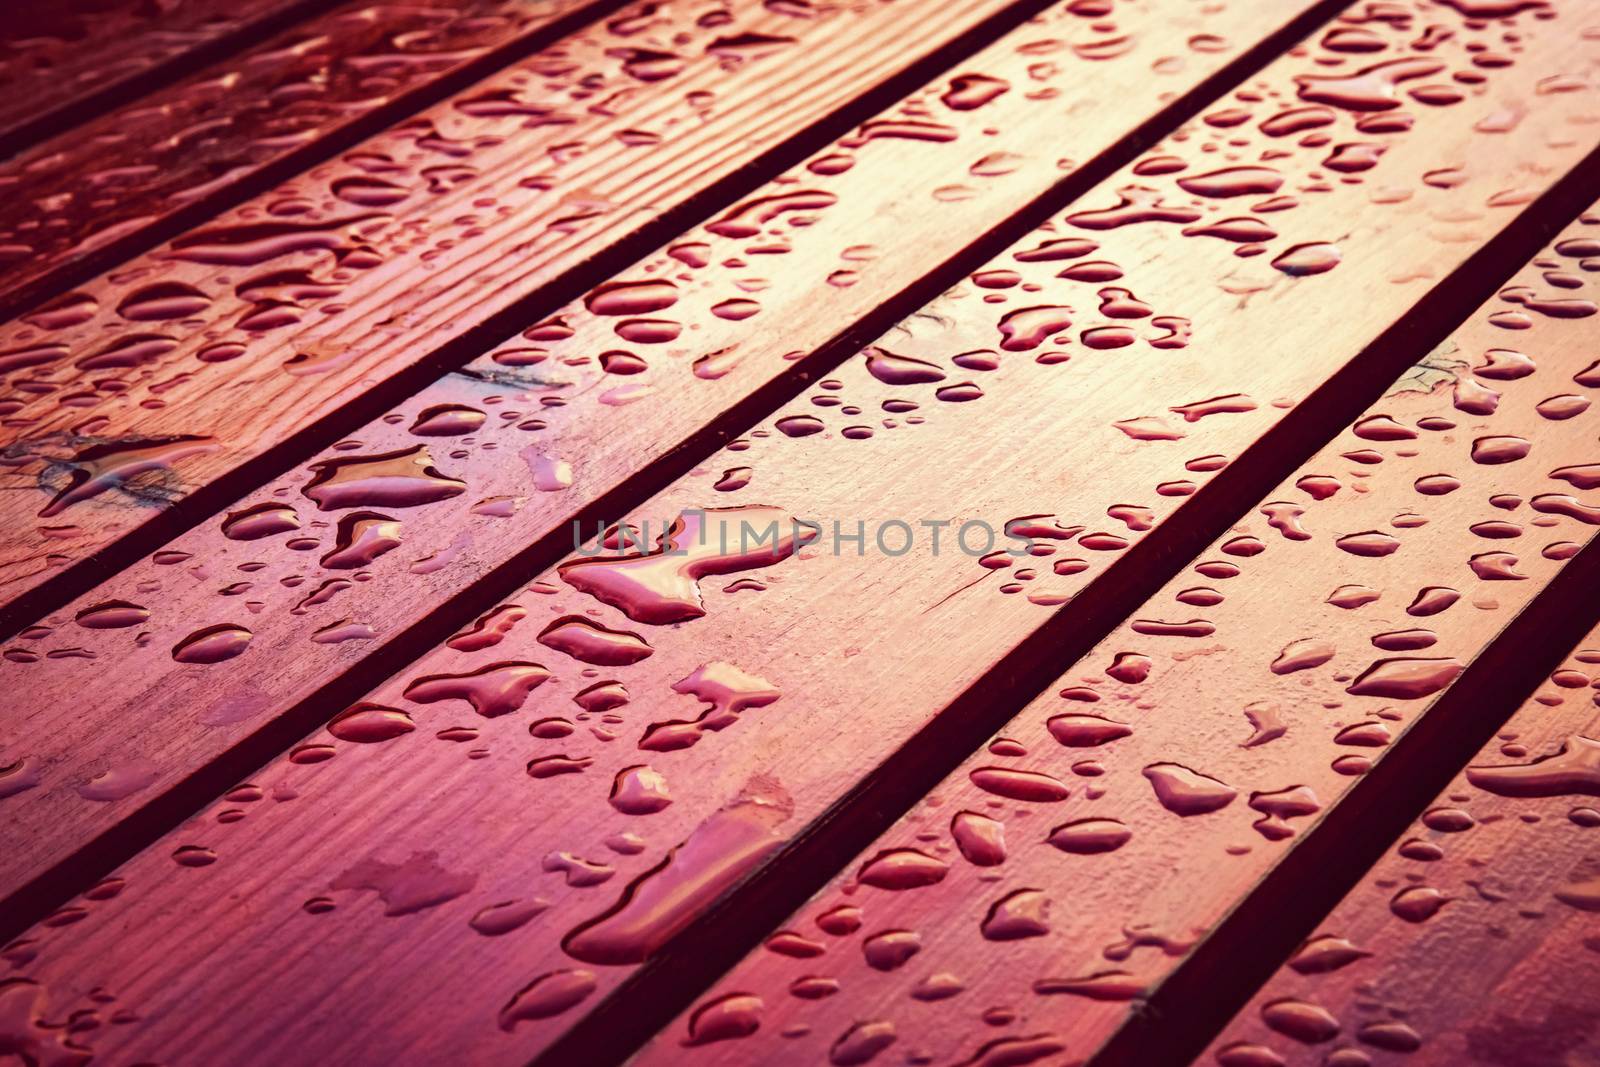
(567, 412)
(540, 168)
(1216, 728)
(1473, 941)
(862, 650)
(105, 189)
(60, 61)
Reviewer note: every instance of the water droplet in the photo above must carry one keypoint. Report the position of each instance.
(662, 586)
(402, 479)
(1090, 836)
(1019, 914)
(111, 615)
(447, 420)
(1315, 257)
(902, 868)
(664, 899)
(1405, 678)
(1233, 181)
(494, 690)
(369, 724)
(213, 644)
(547, 995)
(262, 520)
(1033, 786)
(1187, 792)
(591, 642)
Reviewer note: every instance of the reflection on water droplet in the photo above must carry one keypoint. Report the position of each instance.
(1315, 257)
(664, 899)
(402, 479)
(1187, 792)
(902, 868)
(1033, 786)
(1086, 837)
(111, 615)
(369, 724)
(547, 995)
(212, 644)
(1406, 678)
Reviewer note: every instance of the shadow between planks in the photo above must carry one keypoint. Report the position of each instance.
(306, 691)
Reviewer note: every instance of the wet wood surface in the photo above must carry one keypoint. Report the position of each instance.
(545, 800)
(168, 373)
(55, 55)
(538, 428)
(129, 173)
(1474, 941)
(1059, 875)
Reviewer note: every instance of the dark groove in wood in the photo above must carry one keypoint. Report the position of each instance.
(269, 175)
(705, 950)
(1220, 975)
(62, 118)
(102, 854)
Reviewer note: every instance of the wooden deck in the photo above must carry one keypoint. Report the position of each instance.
(982, 532)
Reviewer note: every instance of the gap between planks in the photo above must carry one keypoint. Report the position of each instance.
(107, 850)
(1225, 969)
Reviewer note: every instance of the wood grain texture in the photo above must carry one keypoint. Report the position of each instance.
(235, 336)
(1474, 940)
(1192, 750)
(537, 429)
(56, 55)
(758, 714)
(114, 179)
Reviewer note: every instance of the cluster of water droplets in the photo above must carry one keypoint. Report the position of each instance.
(1137, 758)
(105, 390)
(112, 176)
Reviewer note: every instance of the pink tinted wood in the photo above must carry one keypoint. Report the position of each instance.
(1062, 872)
(1474, 940)
(56, 55)
(172, 370)
(118, 177)
(453, 845)
(548, 422)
